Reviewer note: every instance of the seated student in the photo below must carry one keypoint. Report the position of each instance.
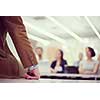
(76, 64)
(58, 66)
(89, 66)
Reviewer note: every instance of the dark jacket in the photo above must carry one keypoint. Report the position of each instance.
(63, 63)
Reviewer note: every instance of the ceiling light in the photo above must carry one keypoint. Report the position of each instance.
(65, 29)
(28, 23)
(44, 42)
(92, 26)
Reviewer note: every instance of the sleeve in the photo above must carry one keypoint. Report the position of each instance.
(53, 64)
(66, 62)
(97, 62)
(17, 31)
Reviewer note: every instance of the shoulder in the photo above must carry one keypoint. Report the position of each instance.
(96, 62)
(53, 62)
(65, 61)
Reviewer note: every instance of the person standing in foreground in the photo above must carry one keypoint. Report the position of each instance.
(9, 66)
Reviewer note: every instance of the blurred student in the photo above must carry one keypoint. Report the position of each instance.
(58, 65)
(89, 66)
(80, 58)
(42, 62)
(39, 53)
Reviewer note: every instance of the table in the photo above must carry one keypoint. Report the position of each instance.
(57, 78)
(70, 76)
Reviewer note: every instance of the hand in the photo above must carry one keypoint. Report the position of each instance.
(36, 73)
(88, 72)
(27, 76)
(33, 74)
(53, 71)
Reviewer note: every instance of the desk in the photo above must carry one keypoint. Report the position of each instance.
(57, 78)
(70, 76)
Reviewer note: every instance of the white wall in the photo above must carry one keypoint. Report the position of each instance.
(71, 48)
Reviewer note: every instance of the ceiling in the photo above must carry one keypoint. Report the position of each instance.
(62, 27)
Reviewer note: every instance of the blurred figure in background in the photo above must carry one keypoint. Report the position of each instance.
(89, 66)
(80, 58)
(39, 53)
(58, 66)
(42, 62)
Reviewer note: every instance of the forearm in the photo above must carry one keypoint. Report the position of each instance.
(88, 72)
(52, 70)
(19, 37)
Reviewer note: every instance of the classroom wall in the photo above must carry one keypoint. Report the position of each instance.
(71, 48)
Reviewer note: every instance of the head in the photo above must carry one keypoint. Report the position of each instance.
(39, 52)
(80, 56)
(59, 54)
(90, 52)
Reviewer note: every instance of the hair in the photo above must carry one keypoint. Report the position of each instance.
(40, 48)
(62, 54)
(40, 56)
(92, 51)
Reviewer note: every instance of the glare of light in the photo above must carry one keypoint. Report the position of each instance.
(65, 29)
(44, 42)
(92, 26)
(43, 32)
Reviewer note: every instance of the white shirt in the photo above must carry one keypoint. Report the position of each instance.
(88, 65)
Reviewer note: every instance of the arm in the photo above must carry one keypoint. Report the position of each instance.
(82, 71)
(17, 31)
(94, 71)
(52, 67)
(66, 63)
(52, 70)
